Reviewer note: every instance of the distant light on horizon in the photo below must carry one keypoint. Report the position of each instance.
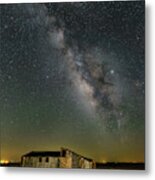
(104, 161)
(4, 161)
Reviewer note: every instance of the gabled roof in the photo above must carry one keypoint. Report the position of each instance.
(43, 154)
(89, 159)
(52, 154)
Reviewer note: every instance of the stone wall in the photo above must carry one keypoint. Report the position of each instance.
(40, 162)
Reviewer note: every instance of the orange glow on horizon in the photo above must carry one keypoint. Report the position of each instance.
(4, 161)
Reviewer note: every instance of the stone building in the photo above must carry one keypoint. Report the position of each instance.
(56, 159)
(70, 159)
(41, 159)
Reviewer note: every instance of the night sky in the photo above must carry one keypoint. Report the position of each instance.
(73, 75)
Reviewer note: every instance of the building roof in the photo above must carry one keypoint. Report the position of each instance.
(43, 154)
(89, 159)
(51, 154)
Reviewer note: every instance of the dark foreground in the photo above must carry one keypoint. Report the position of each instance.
(123, 166)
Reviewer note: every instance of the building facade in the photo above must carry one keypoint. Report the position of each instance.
(43, 159)
(56, 159)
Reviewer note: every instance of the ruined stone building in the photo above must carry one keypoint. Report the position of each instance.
(56, 159)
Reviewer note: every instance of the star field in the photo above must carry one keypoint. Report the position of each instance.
(73, 75)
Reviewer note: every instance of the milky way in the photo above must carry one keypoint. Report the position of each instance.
(73, 75)
(94, 78)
